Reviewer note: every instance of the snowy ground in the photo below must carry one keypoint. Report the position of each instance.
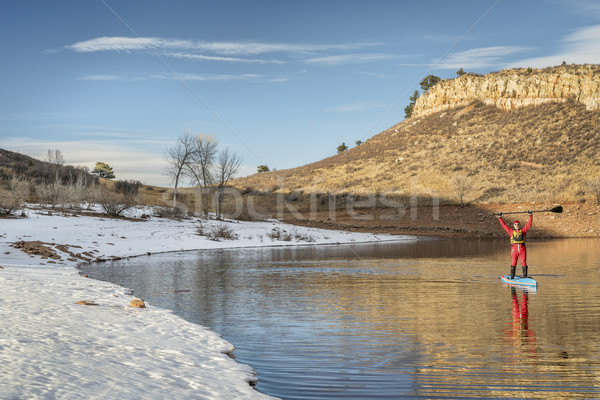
(51, 347)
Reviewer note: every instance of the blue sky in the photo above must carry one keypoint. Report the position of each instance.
(282, 83)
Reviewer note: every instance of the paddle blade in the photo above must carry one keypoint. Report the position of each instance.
(557, 209)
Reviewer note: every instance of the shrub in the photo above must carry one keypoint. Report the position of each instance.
(303, 237)
(169, 212)
(130, 187)
(114, 204)
(280, 234)
(594, 188)
(342, 147)
(13, 195)
(285, 236)
(79, 191)
(51, 194)
(217, 232)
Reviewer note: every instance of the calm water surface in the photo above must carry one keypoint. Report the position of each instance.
(425, 319)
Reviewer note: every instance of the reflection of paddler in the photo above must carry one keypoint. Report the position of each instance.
(520, 332)
(520, 312)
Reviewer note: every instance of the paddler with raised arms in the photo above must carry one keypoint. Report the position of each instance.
(517, 243)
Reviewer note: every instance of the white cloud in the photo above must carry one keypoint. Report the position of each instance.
(253, 48)
(119, 43)
(201, 57)
(244, 52)
(100, 78)
(205, 77)
(355, 58)
(172, 77)
(580, 47)
(278, 80)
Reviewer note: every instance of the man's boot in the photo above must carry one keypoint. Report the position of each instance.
(512, 271)
(524, 271)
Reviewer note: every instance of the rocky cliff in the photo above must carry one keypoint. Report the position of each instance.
(515, 88)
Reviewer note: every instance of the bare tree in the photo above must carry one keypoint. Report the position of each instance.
(55, 157)
(462, 185)
(201, 165)
(227, 166)
(178, 156)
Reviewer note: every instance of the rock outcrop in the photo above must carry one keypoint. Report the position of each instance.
(514, 88)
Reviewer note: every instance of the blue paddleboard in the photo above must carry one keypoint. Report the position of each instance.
(518, 280)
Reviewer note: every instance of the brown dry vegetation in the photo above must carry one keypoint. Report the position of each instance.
(547, 153)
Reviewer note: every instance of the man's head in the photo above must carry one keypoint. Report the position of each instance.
(516, 224)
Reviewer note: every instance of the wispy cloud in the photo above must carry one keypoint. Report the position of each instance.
(206, 77)
(100, 77)
(201, 57)
(120, 43)
(582, 46)
(190, 77)
(246, 52)
(251, 48)
(359, 106)
(354, 58)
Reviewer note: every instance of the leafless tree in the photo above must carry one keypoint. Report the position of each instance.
(462, 185)
(55, 157)
(227, 166)
(178, 157)
(201, 165)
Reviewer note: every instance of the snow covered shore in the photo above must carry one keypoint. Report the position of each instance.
(51, 347)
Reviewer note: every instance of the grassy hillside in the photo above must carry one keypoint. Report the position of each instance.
(537, 153)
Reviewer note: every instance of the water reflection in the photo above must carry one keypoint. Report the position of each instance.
(520, 334)
(428, 319)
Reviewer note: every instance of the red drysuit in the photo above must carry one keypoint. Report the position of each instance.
(517, 241)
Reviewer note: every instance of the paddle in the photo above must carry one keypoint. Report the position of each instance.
(557, 209)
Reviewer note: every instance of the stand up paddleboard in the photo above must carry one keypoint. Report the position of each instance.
(518, 280)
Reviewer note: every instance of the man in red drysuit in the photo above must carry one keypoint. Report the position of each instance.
(517, 243)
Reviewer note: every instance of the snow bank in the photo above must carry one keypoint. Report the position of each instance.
(52, 347)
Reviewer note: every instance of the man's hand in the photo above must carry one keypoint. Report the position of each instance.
(530, 212)
(499, 214)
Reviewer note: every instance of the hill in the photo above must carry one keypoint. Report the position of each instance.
(39, 172)
(50, 183)
(544, 150)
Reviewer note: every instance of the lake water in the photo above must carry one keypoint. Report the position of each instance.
(425, 320)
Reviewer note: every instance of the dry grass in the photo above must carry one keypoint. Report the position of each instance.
(543, 153)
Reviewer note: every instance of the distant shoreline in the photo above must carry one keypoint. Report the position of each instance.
(578, 220)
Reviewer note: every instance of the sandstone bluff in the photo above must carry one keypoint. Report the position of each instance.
(515, 88)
